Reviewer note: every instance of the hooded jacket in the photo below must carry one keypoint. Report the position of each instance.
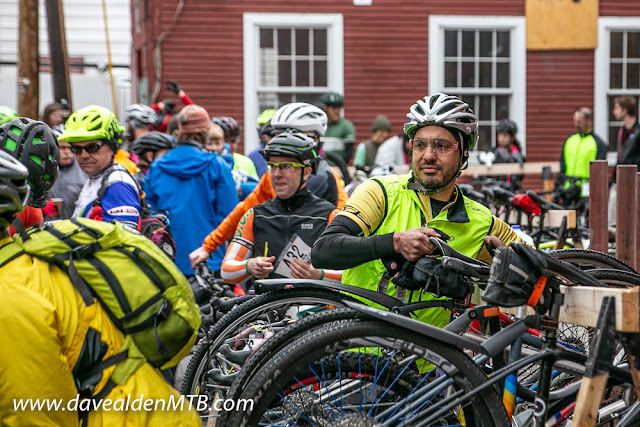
(197, 190)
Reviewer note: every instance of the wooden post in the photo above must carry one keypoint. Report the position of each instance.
(28, 59)
(598, 201)
(637, 215)
(58, 52)
(626, 214)
(547, 183)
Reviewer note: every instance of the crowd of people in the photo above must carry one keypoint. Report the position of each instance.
(281, 211)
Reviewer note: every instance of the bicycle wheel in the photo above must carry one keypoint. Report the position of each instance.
(578, 338)
(307, 382)
(221, 354)
(588, 259)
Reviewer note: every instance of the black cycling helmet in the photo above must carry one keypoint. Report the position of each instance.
(334, 99)
(34, 144)
(229, 126)
(507, 126)
(296, 145)
(152, 141)
(14, 190)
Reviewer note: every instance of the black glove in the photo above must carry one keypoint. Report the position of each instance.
(173, 87)
(170, 106)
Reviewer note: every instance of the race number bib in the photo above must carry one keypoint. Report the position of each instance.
(296, 248)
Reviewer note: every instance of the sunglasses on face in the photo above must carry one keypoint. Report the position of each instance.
(89, 148)
(439, 146)
(285, 166)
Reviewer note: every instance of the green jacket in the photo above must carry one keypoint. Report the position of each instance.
(466, 221)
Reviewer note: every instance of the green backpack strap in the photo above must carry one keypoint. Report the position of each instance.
(9, 252)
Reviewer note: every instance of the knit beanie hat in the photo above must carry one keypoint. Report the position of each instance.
(381, 123)
(193, 119)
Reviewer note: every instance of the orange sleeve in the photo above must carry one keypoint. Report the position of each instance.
(234, 266)
(28, 217)
(343, 197)
(260, 194)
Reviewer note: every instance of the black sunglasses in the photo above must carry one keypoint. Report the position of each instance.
(89, 148)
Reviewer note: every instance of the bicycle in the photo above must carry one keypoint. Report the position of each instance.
(458, 388)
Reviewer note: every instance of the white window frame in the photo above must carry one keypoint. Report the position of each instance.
(518, 70)
(252, 22)
(602, 74)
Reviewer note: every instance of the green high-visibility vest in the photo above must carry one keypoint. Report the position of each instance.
(578, 152)
(466, 221)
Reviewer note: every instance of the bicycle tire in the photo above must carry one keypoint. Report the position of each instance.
(589, 259)
(333, 158)
(279, 376)
(239, 317)
(278, 342)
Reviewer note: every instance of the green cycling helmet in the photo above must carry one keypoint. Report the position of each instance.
(265, 117)
(93, 122)
(7, 114)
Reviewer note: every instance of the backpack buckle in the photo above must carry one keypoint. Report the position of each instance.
(165, 310)
(85, 251)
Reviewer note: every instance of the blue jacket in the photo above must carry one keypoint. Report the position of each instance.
(258, 160)
(198, 191)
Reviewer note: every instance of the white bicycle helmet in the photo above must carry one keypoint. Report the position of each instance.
(301, 117)
(141, 116)
(449, 112)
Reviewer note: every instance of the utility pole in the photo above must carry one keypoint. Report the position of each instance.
(58, 52)
(28, 60)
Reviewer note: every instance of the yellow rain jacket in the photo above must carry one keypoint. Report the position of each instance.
(46, 331)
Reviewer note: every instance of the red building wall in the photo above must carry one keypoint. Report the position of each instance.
(385, 59)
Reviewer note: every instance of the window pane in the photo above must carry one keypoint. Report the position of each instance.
(485, 76)
(486, 44)
(266, 37)
(302, 73)
(616, 44)
(320, 73)
(633, 44)
(484, 138)
(450, 43)
(469, 99)
(451, 74)
(284, 41)
(633, 76)
(284, 73)
(468, 44)
(319, 42)
(615, 76)
(484, 111)
(502, 75)
(302, 42)
(268, 64)
(467, 74)
(503, 45)
(502, 107)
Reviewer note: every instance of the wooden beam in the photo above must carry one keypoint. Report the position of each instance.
(495, 170)
(582, 306)
(510, 169)
(28, 60)
(58, 49)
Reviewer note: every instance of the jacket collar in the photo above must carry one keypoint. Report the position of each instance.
(456, 211)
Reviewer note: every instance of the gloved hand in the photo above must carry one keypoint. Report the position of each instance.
(96, 213)
(169, 106)
(50, 209)
(173, 87)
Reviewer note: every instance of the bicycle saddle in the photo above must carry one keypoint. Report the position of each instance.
(544, 203)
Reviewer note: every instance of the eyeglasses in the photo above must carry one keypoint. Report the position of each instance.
(285, 166)
(439, 146)
(89, 148)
